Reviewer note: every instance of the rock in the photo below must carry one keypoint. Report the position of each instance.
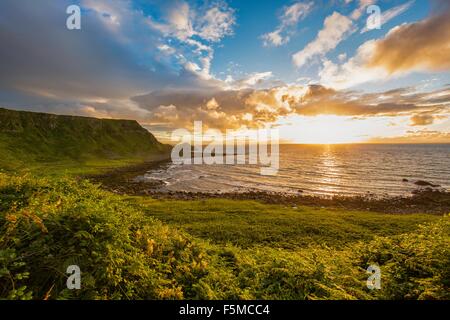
(405, 180)
(425, 184)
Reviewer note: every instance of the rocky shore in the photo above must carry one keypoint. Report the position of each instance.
(427, 198)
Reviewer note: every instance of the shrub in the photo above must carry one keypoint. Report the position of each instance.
(414, 265)
(48, 224)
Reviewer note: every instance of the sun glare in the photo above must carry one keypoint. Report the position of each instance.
(324, 129)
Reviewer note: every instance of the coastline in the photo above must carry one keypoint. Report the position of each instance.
(422, 200)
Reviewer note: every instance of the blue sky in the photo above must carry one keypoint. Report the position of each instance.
(245, 44)
(236, 64)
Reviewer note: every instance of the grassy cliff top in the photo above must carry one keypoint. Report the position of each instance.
(30, 139)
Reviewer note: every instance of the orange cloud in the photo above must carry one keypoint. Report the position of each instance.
(424, 45)
(254, 108)
(420, 136)
(422, 119)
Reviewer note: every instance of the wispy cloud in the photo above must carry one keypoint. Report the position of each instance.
(289, 18)
(390, 14)
(336, 28)
(362, 6)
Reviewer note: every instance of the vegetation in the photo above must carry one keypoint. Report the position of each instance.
(250, 223)
(142, 248)
(53, 144)
(124, 252)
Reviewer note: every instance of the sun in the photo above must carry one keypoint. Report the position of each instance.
(322, 129)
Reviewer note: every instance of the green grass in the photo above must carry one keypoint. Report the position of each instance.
(53, 144)
(250, 223)
(47, 224)
(75, 168)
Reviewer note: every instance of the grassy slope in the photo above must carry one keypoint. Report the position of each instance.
(53, 143)
(249, 223)
(125, 253)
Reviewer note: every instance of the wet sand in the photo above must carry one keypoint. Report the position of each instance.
(426, 199)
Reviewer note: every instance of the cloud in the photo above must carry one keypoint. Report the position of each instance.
(390, 14)
(416, 136)
(254, 79)
(84, 63)
(422, 119)
(177, 22)
(166, 49)
(274, 38)
(420, 46)
(183, 22)
(429, 117)
(336, 28)
(125, 64)
(363, 4)
(289, 17)
(352, 72)
(342, 57)
(297, 11)
(222, 109)
(217, 23)
(198, 28)
(217, 109)
(165, 114)
(94, 62)
(319, 100)
(250, 107)
(116, 55)
(413, 47)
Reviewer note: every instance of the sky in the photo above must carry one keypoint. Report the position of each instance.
(319, 71)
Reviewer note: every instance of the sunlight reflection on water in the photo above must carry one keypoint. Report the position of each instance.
(322, 169)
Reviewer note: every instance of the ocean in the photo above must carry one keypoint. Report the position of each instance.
(326, 170)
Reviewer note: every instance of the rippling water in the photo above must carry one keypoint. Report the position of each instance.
(322, 170)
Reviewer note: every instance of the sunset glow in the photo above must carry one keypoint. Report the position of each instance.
(320, 74)
(323, 130)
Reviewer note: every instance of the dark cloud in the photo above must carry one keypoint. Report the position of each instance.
(39, 55)
(48, 66)
(217, 108)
